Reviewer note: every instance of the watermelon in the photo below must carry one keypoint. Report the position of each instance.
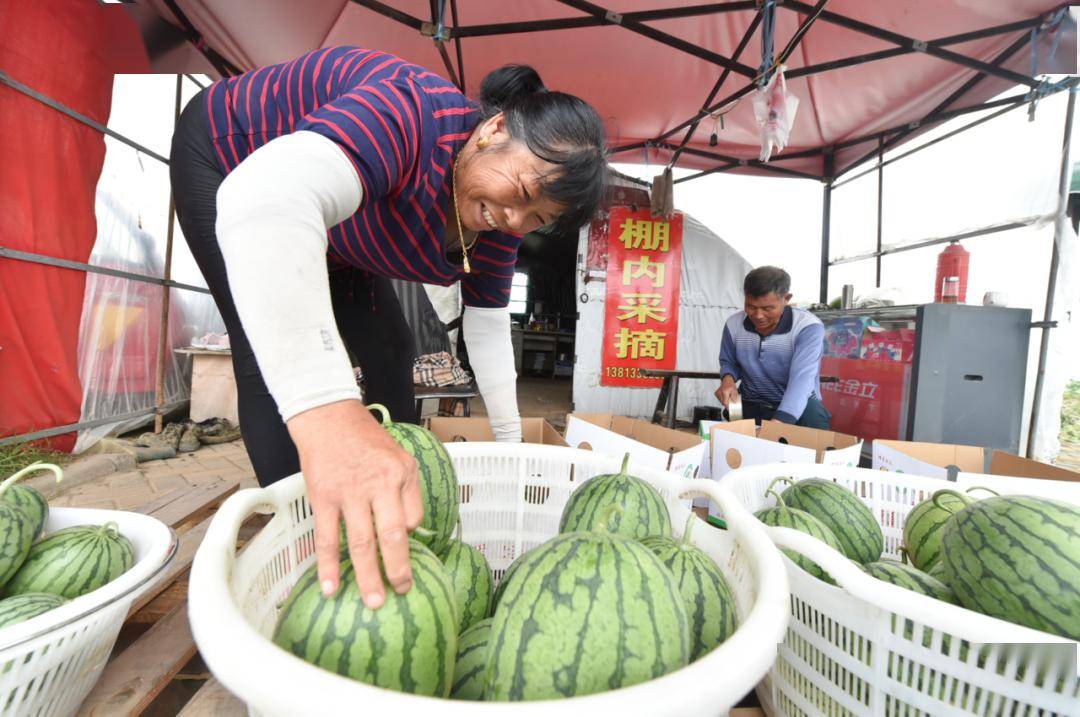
(922, 527)
(18, 608)
(74, 561)
(507, 575)
(643, 512)
(587, 612)
(938, 572)
(28, 498)
(905, 576)
(471, 660)
(473, 583)
(784, 516)
(1017, 558)
(438, 481)
(710, 606)
(408, 644)
(22, 517)
(846, 516)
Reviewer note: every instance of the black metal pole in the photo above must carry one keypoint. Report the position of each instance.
(1051, 284)
(826, 210)
(880, 198)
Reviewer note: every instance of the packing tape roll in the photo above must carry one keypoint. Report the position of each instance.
(734, 411)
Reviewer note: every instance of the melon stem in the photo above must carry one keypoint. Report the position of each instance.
(111, 526)
(778, 479)
(948, 491)
(384, 413)
(779, 499)
(979, 487)
(625, 462)
(32, 468)
(687, 529)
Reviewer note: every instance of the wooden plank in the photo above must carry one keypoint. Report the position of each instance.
(194, 503)
(163, 500)
(132, 680)
(213, 700)
(164, 603)
(185, 554)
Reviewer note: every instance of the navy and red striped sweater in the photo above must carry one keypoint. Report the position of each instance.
(401, 126)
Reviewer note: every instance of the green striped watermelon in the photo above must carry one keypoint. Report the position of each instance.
(854, 526)
(710, 606)
(784, 516)
(18, 608)
(74, 561)
(643, 513)
(408, 644)
(923, 525)
(505, 581)
(438, 481)
(588, 612)
(938, 572)
(473, 583)
(910, 578)
(27, 498)
(21, 519)
(1017, 558)
(471, 661)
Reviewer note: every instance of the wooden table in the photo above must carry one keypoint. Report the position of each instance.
(541, 341)
(668, 400)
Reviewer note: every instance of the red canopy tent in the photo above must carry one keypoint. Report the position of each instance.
(652, 66)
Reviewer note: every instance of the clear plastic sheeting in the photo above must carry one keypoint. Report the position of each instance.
(121, 318)
(711, 291)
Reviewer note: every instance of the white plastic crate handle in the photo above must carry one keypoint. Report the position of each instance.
(937, 614)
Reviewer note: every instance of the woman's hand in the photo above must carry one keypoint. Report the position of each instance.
(354, 470)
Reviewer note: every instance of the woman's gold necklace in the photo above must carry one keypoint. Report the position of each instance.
(457, 215)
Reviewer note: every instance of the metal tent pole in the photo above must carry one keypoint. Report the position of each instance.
(826, 209)
(1051, 284)
(163, 328)
(880, 201)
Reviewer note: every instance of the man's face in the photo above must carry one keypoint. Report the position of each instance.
(764, 312)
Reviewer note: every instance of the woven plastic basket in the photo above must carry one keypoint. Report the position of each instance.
(871, 648)
(49, 663)
(511, 500)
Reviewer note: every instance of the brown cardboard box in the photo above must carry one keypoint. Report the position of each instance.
(533, 430)
(937, 460)
(647, 443)
(742, 443)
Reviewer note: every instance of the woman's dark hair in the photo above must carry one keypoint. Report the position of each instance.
(558, 128)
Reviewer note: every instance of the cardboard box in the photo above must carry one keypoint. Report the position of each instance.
(742, 443)
(647, 443)
(945, 461)
(533, 430)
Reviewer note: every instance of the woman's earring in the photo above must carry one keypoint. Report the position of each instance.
(483, 142)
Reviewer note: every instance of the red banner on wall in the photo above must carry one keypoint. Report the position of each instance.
(641, 311)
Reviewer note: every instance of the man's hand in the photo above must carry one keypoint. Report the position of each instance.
(728, 392)
(354, 469)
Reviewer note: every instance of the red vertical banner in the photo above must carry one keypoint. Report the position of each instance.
(641, 310)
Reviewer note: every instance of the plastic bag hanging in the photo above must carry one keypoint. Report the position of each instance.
(774, 110)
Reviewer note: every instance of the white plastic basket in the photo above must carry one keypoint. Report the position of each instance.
(872, 648)
(49, 663)
(512, 497)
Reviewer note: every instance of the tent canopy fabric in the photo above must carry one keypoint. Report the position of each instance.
(649, 65)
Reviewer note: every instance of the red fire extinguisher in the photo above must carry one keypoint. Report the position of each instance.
(952, 274)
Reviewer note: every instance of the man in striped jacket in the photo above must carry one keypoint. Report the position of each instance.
(773, 352)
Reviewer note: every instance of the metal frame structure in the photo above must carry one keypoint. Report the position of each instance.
(594, 15)
(165, 281)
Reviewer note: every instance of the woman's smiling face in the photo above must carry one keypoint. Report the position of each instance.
(499, 186)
